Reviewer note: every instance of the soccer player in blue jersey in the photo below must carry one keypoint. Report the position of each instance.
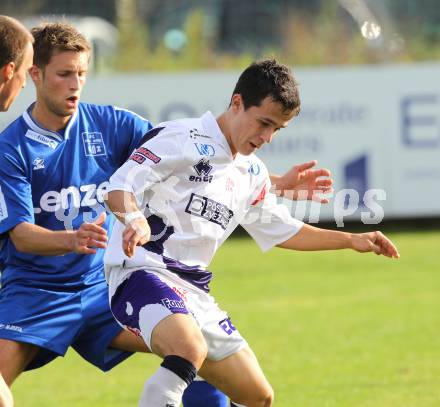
(15, 59)
(56, 160)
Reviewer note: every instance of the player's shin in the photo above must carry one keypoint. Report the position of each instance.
(166, 386)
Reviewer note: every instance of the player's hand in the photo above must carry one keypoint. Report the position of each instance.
(375, 242)
(136, 233)
(303, 182)
(90, 236)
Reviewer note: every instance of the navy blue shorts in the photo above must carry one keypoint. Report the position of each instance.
(55, 320)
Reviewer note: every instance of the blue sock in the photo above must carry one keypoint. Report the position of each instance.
(201, 394)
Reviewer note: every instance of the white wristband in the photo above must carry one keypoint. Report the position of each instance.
(131, 216)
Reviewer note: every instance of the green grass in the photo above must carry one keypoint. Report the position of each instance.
(330, 329)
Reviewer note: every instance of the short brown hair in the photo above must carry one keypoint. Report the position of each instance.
(13, 40)
(268, 78)
(56, 37)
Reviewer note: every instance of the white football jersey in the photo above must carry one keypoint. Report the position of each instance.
(194, 193)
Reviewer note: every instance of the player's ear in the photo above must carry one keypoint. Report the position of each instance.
(35, 73)
(236, 102)
(7, 71)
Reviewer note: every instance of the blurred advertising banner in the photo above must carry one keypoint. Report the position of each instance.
(377, 128)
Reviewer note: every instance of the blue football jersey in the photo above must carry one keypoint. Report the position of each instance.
(57, 180)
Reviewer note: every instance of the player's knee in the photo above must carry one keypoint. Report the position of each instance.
(194, 350)
(191, 347)
(261, 397)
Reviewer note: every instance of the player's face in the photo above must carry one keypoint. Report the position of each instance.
(255, 126)
(60, 83)
(15, 79)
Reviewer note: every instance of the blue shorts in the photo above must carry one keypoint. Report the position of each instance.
(56, 319)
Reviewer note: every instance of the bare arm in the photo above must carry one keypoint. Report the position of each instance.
(311, 238)
(137, 231)
(30, 238)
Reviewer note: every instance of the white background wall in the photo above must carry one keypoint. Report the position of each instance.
(385, 118)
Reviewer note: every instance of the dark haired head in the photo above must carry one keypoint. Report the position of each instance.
(268, 78)
(56, 37)
(13, 40)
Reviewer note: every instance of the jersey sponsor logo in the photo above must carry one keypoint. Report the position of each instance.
(38, 164)
(205, 149)
(39, 138)
(209, 209)
(254, 168)
(142, 153)
(3, 207)
(84, 196)
(93, 144)
(195, 134)
(203, 168)
(227, 326)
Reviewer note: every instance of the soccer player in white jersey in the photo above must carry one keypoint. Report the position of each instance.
(177, 200)
(15, 59)
(55, 164)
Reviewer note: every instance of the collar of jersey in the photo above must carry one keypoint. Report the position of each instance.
(212, 128)
(33, 125)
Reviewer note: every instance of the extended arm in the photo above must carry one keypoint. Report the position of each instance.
(30, 238)
(311, 238)
(303, 182)
(137, 231)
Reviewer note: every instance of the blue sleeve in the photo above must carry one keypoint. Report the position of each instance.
(130, 129)
(15, 191)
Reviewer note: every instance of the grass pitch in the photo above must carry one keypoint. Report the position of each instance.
(331, 329)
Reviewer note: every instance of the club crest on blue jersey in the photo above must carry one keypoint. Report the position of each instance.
(93, 144)
(209, 209)
(205, 149)
(203, 169)
(38, 163)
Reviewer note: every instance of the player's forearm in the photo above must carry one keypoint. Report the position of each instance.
(30, 238)
(310, 238)
(121, 203)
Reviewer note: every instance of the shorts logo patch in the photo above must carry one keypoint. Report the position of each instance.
(93, 144)
(227, 326)
(170, 304)
(142, 154)
(180, 292)
(209, 209)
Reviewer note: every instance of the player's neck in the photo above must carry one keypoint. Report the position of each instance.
(47, 118)
(222, 122)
